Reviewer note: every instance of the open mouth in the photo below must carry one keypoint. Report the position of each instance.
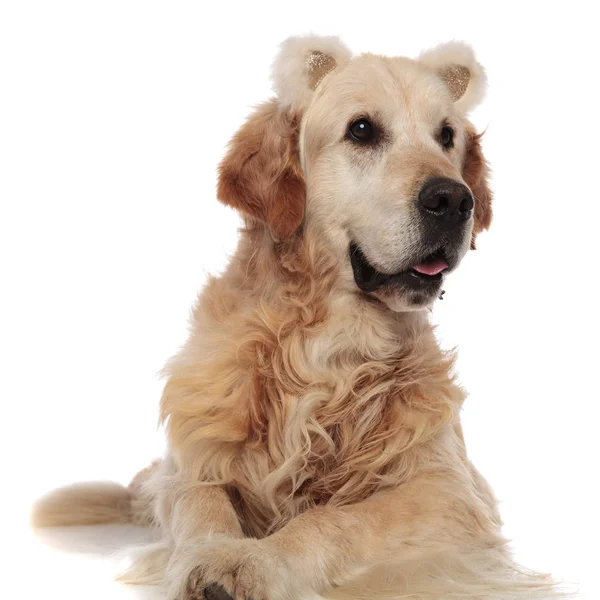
(426, 273)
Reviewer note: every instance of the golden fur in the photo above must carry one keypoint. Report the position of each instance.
(315, 447)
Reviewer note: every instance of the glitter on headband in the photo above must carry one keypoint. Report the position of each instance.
(319, 64)
(457, 78)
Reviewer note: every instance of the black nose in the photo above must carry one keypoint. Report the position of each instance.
(446, 200)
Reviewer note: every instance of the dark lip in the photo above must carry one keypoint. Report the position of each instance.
(369, 279)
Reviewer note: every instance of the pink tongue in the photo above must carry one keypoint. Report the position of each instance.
(431, 268)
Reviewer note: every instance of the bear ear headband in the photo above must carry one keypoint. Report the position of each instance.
(304, 62)
(457, 67)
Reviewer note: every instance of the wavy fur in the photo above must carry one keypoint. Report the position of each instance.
(315, 446)
(359, 417)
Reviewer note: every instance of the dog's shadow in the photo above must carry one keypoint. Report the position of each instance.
(111, 544)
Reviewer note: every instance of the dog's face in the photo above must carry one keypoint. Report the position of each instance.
(382, 151)
(382, 158)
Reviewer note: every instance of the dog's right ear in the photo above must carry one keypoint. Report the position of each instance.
(261, 174)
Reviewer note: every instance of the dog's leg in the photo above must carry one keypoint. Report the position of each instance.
(327, 547)
(196, 515)
(202, 511)
(190, 515)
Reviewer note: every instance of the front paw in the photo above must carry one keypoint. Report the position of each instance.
(214, 591)
(243, 570)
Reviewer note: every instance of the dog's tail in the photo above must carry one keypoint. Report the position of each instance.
(84, 504)
(99, 503)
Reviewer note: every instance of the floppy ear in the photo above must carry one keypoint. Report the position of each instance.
(476, 173)
(456, 65)
(261, 174)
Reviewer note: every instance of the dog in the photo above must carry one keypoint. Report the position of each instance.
(314, 440)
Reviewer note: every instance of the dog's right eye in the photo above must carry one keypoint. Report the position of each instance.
(361, 131)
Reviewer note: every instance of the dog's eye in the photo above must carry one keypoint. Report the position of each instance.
(361, 131)
(447, 136)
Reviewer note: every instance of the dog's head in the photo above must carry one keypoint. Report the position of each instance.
(373, 154)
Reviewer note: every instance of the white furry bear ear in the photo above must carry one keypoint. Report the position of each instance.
(457, 66)
(302, 64)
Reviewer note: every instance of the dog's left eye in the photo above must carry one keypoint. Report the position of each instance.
(447, 136)
(361, 131)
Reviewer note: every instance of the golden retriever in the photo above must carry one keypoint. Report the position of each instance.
(314, 440)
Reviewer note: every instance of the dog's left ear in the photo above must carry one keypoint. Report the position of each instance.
(261, 174)
(476, 173)
(456, 65)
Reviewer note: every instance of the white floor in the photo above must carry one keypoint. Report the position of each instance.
(81, 563)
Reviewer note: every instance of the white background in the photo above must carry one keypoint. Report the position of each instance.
(113, 116)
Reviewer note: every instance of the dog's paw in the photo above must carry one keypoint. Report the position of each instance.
(216, 592)
(243, 570)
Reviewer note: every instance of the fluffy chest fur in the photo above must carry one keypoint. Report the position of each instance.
(293, 397)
